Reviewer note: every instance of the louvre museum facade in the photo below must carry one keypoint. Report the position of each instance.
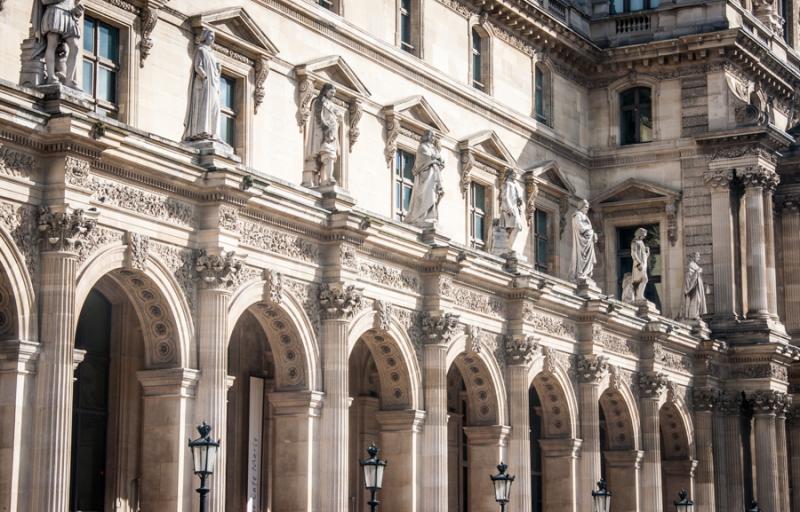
(561, 234)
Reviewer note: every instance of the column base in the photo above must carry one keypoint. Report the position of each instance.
(588, 289)
(335, 198)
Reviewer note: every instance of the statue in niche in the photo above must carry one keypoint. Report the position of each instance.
(512, 215)
(202, 116)
(56, 27)
(584, 238)
(633, 289)
(693, 305)
(423, 209)
(322, 139)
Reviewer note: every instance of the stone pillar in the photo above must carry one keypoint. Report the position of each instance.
(769, 241)
(765, 405)
(794, 456)
(704, 401)
(790, 223)
(719, 182)
(55, 371)
(678, 475)
(623, 468)
(436, 332)
(729, 479)
(486, 449)
(560, 471)
(167, 482)
(338, 302)
(783, 458)
(400, 444)
(295, 419)
(756, 251)
(651, 388)
(591, 370)
(520, 353)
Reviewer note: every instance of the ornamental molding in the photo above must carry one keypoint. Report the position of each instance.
(292, 246)
(483, 150)
(16, 163)
(180, 262)
(520, 348)
(478, 302)
(229, 217)
(161, 207)
(383, 314)
(652, 385)
(437, 328)
(392, 277)
(137, 250)
(411, 117)
(592, 369)
(768, 402)
(705, 399)
(338, 301)
(64, 230)
(273, 286)
(759, 371)
(614, 343)
(217, 270)
(554, 326)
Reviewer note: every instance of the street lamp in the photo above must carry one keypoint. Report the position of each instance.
(204, 458)
(754, 506)
(373, 474)
(601, 497)
(502, 486)
(684, 504)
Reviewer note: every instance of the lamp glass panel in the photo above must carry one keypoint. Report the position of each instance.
(379, 476)
(212, 458)
(370, 475)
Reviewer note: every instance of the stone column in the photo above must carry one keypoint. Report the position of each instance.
(651, 388)
(754, 180)
(729, 478)
(783, 458)
(770, 185)
(400, 444)
(486, 449)
(519, 352)
(794, 456)
(295, 420)
(790, 223)
(55, 370)
(719, 182)
(623, 468)
(560, 470)
(591, 370)
(338, 302)
(704, 401)
(765, 405)
(436, 331)
(167, 482)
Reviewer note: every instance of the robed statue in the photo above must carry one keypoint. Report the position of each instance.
(322, 139)
(202, 116)
(423, 208)
(512, 215)
(584, 238)
(693, 305)
(55, 22)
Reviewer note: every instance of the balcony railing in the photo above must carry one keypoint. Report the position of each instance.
(640, 23)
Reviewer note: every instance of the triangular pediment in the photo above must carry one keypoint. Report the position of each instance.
(488, 144)
(548, 172)
(334, 69)
(633, 190)
(417, 111)
(234, 27)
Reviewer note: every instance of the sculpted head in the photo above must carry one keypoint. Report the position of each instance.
(328, 91)
(640, 234)
(695, 257)
(206, 37)
(584, 207)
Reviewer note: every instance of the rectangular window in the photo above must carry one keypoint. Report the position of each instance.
(636, 116)
(538, 77)
(654, 289)
(477, 214)
(540, 234)
(477, 61)
(328, 4)
(227, 111)
(101, 63)
(405, 26)
(403, 182)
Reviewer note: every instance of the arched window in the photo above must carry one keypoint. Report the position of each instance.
(636, 116)
(542, 97)
(480, 60)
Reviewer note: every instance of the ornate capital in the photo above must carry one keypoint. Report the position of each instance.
(729, 402)
(217, 271)
(63, 231)
(705, 399)
(273, 286)
(520, 348)
(720, 178)
(652, 385)
(339, 301)
(438, 329)
(592, 368)
(757, 176)
(768, 401)
(137, 250)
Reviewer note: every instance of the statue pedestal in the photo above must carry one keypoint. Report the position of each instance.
(645, 309)
(431, 237)
(335, 198)
(588, 289)
(699, 328)
(60, 99)
(213, 154)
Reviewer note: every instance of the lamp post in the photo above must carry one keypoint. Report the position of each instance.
(601, 497)
(684, 504)
(373, 474)
(502, 485)
(204, 458)
(754, 506)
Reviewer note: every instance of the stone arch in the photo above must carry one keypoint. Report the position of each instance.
(676, 427)
(289, 334)
(555, 389)
(484, 382)
(17, 296)
(155, 295)
(621, 420)
(395, 360)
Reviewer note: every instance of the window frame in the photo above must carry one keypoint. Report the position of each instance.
(542, 86)
(484, 54)
(647, 5)
(110, 108)
(398, 211)
(635, 110)
(613, 101)
(625, 252)
(413, 12)
(547, 238)
(230, 112)
(486, 214)
(334, 6)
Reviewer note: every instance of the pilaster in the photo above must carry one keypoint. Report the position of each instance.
(625, 466)
(719, 182)
(560, 465)
(770, 184)
(729, 481)
(651, 390)
(794, 456)
(591, 371)
(765, 406)
(704, 401)
(400, 443)
(486, 449)
(519, 353)
(790, 243)
(783, 456)
(755, 180)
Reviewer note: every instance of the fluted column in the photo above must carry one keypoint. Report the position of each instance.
(790, 223)
(399, 442)
(624, 476)
(783, 458)
(437, 330)
(755, 179)
(591, 370)
(728, 453)
(338, 303)
(765, 404)
(794, 456)
(560, 467)
(486, 449)
(704, 404)
(54, 375)
(719, 182)
(651, 388)
(770, 185)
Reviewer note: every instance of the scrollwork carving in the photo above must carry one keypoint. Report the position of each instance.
(356, 111)
(259, 91)
(392, 134)
(148, 17)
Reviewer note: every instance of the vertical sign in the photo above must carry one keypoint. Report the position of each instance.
(255, 440)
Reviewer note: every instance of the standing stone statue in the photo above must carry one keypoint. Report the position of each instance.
(583, 240)
(694, 292)
(423, 209)
(322, 140)
(202, 116)
(56, 22)
(512, 215)
(640, 254)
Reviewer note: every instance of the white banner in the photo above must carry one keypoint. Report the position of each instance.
(256, 422)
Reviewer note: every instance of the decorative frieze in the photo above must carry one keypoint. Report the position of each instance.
(592, 368)
(153, 205)
(338, 301)
(475, 301)
(273, 286)
(21, 222)
(652, 385)
(438, 328)
(679, 362)
(180, 262)
(759, 371)
(63, 231)
(348, 257)
(290, 245)
(547, 324)
(16, 163)
(217, 270)
(137, 250)
(390, 276)
(229, 217)
(97, 238)
(519, 349)
(614, 343)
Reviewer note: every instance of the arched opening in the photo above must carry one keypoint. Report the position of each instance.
(677, 465)
(620, 459)
(535, 422)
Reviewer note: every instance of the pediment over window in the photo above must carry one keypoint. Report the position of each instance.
(634, 196)
(485, 150)
(411, 117)
(334, 69)
(548, 175)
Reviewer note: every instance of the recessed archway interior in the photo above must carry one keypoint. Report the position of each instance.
(617, 447)
(8, 309)
(676, 461)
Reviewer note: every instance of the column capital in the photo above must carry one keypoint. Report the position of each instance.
(18, 356)
(178, 382)
(626, 459)
(409, 420)
(729, 403)
(296, 403)
(652, 385)
(64, 230)
(438, 328)
(718, 178)
(705, 399)
(768, 402)
(592, 369)
(339, 301)
(217, 271)
(557, 448)
(758, 176)
(520, 348)
(490, 435)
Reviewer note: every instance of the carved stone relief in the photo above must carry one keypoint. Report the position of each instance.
(390, 276)
(21, 222)
(278, 242)
(16, 163)
(138, 250)
(547, 324)
(157, 206)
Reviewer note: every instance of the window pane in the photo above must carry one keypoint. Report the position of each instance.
(398, 196)
(106, 85)
(541, 223)
(406, 197)
(476, 42)
(628, 127)
(226, 129)
(479, 227)
(617, 6)
(88, 77)
(408, 166)
(226, 87)
(405, 26)
(628, 98)
(88, 34)
(541, 252)
(108, 42)
(637, 5)
(478, 196)
(654, 3)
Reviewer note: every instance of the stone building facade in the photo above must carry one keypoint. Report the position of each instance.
(149, 282)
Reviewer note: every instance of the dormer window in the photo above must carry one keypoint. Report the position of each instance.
(636, 116)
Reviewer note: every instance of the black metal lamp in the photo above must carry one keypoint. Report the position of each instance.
(601, 497)
(204, 459)
(684, 504)
(754, 506)
(373, 474)
(502, 485)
